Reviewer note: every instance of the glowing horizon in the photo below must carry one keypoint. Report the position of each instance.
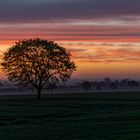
(103, 37)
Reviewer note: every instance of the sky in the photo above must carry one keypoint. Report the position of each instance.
(103, 36)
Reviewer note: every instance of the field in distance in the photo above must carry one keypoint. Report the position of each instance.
(100, 116)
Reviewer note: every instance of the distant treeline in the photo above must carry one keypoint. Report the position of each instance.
(98, 85)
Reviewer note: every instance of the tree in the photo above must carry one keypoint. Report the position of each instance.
(113, 85)
(86, 85)
(107, 82)
(1, 84)
(133, 84)
(37, 62)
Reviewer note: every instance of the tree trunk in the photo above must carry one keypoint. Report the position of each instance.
(38, 94)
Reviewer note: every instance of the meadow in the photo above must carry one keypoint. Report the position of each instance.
(95, 116)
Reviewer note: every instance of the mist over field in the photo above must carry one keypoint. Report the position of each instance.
(74, 86)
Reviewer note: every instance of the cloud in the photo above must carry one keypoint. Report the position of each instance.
(36, 10)
(76, 50)
(100, 44)
(108, 54)
(70, 33)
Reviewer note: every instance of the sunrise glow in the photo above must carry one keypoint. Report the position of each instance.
(103, 38)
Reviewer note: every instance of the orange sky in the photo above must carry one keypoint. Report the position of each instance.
(103, 37)
(96, 59)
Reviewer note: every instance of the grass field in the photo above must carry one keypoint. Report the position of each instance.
(102, 116)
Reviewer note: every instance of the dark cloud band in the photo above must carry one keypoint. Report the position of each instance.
(23, 10)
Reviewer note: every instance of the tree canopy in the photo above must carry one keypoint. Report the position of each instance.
(86, 85)
(38, 63)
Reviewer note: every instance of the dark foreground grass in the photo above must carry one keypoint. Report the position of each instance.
(99, 116)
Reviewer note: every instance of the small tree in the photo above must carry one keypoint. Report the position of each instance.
(133, 84)
(37, 62)
(86, 85)
(113, 86)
